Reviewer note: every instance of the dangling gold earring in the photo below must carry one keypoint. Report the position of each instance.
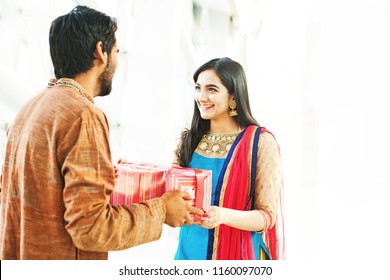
(232, 106)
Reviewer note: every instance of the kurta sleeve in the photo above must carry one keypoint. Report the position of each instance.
(268, 177)
(87, 169)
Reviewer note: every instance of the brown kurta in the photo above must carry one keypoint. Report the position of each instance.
(56, 181)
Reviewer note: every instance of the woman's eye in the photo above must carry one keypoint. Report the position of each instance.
(197, 88)
(212, 90)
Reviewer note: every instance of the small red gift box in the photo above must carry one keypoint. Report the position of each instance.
(138, 182)
(197, 182)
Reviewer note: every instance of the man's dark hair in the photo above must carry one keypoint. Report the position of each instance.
(73, 39)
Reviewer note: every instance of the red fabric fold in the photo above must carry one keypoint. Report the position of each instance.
(237, 244)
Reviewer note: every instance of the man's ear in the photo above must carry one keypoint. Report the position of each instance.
(99, 53)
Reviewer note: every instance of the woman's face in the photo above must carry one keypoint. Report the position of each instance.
(212, 97)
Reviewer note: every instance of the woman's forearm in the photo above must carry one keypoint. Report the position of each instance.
(252, 220)
(245, 220)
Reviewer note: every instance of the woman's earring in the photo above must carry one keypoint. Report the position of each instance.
(232, 106)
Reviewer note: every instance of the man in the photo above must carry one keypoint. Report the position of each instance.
(58, 175)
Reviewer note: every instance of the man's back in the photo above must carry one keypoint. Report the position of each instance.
(42, 137)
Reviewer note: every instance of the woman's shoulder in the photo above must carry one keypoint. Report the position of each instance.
(267, 141)
(264, 132)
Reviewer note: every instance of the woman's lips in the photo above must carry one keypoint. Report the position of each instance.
(205, 107)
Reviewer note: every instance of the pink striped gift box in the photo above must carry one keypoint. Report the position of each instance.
(196, 182)
(138, 182)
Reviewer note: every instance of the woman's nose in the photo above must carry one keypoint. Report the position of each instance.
(202, 95)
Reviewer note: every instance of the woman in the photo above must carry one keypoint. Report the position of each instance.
(245, 221)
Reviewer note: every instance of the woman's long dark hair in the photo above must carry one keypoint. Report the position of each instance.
(232, 76)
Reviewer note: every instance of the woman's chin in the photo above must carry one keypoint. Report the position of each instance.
(205, 116)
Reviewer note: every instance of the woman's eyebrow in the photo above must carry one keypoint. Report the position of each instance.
(208, 85)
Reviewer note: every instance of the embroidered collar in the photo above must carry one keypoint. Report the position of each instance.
(216, 144)
(65, 82)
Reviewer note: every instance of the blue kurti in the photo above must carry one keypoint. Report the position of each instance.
(193, 240)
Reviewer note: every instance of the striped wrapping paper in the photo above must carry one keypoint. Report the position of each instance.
(138, 182)
(196, 182)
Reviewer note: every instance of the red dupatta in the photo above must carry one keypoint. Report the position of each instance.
(236, 184)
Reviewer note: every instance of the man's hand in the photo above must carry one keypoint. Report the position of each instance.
(178, 210)
(116, 171)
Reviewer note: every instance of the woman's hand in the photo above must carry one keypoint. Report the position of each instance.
(216, 216)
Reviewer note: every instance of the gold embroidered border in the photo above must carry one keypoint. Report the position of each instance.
(216, 145)
(250, 161)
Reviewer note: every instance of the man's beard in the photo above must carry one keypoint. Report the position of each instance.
(105, 80)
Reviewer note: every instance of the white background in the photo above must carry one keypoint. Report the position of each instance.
(318, 74)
